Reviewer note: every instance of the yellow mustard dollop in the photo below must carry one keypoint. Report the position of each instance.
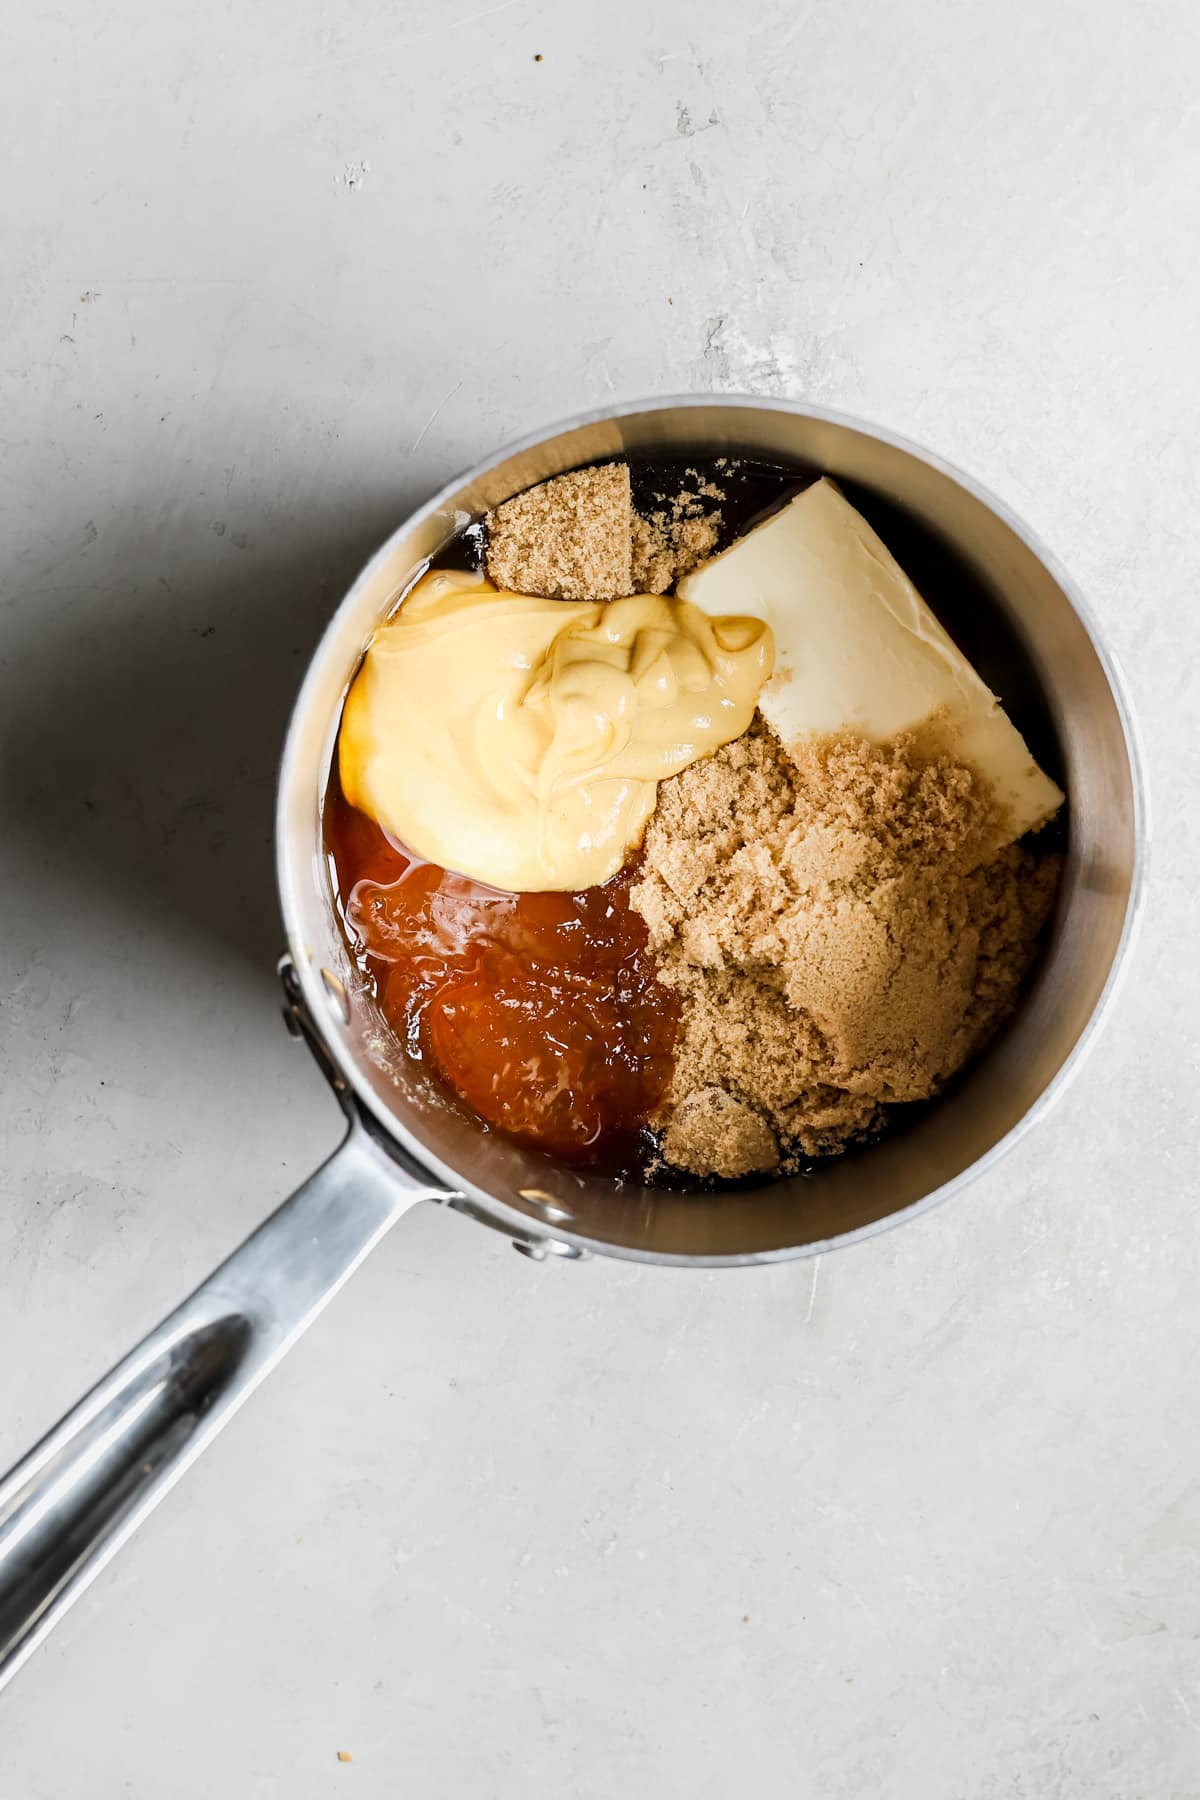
(521, 741)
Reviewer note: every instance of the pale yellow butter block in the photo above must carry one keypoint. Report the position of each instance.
(857, 648)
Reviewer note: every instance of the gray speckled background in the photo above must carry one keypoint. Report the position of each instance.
(917, 1521)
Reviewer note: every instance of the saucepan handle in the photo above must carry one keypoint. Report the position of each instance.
(69, 1505)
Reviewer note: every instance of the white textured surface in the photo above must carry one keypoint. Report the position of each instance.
(919, 1521)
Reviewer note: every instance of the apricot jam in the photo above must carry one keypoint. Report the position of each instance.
(540, 1011)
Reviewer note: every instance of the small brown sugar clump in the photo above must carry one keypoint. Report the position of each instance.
(711, 1133)
(669, 542)
(569, 538)
(835, 941)
(577, 537)
(664, 550)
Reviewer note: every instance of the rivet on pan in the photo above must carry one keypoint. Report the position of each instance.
(337, 995)
(569, 1252)
(546, 1203)
(551, 1247)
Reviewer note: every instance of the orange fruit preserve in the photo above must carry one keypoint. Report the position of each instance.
(540, 1011)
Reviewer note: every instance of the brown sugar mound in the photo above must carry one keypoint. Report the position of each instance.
(836, 944)
(672, 540)
(569, 538)
(577, 537)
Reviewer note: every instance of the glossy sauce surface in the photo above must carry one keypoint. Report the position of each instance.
(541, 1011)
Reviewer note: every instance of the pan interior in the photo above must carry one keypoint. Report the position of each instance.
(1011, 615)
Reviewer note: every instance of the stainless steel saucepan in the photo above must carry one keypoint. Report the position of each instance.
(70, 1504)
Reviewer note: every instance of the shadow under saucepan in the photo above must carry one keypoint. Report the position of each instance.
(149, 681)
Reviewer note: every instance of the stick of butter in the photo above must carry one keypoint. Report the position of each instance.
(857, 649)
